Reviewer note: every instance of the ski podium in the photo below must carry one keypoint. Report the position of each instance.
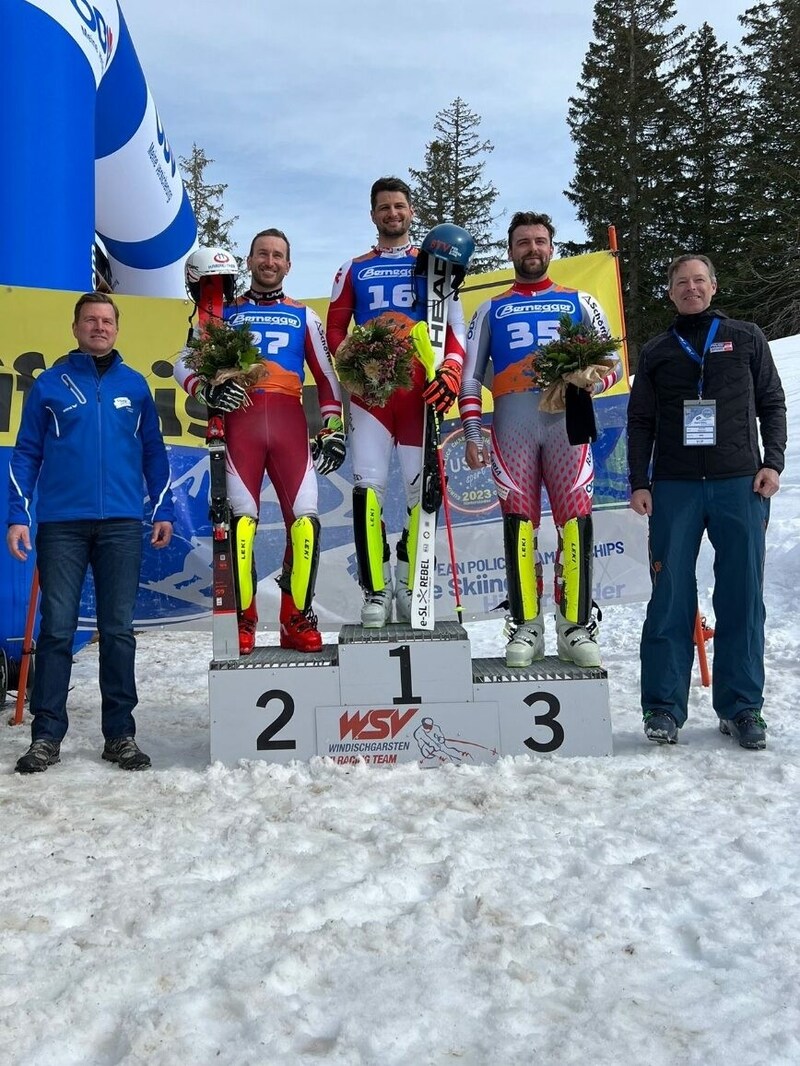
(407, 692)
(399, 695)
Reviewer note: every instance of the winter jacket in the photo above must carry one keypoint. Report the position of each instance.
(739, 374)
(89, 444)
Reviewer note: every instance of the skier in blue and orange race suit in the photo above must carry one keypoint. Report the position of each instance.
(266, 431)
(382, 282)
(530, 446)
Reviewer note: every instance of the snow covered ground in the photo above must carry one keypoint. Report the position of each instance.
(640, 909)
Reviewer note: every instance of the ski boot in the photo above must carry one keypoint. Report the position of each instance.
(526, 643)
(247, 621)
(298, 628)
(376, 610)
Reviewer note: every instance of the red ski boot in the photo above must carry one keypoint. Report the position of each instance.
(247, 629)
(298, 628)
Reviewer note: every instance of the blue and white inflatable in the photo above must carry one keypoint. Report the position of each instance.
(85, 153)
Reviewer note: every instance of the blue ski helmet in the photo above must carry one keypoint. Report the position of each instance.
(450, 242)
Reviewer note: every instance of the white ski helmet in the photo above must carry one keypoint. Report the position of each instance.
(208, 263)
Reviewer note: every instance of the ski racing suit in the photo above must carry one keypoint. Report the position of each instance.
(382, 282)
(271, 435)
(530, 446)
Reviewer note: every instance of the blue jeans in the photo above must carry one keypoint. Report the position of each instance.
(735, 518)
(65, 551)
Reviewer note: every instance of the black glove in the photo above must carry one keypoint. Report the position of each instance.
(229, 396)
(328, 447)
(442, 392)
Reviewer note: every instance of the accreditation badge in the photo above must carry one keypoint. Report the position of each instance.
(699, 422)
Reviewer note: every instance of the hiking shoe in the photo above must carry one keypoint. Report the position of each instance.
(526, 643)
(126, 753)
(299, 632)
(748, 727)
(40, 755)
(661, 727)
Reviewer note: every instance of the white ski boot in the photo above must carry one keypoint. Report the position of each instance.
(402, 593)
(526, 643)
(376, 611)
(577, 644)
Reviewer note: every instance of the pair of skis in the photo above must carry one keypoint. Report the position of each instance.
(224, 619)
(440, 292)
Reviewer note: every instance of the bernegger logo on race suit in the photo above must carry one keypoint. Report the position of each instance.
(264, 318)
(371, 272)
(559, 308)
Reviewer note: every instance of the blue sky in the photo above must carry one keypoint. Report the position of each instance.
(302, 105)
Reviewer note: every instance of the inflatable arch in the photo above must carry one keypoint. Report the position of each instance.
(89, 154)
(85, 155)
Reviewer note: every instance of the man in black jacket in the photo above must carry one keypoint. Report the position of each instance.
(701, 392)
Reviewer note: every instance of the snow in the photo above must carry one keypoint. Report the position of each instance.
(639, 909)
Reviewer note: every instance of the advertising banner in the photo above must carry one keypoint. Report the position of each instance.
(175, 585)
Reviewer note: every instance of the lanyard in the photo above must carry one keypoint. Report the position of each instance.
(712, 332)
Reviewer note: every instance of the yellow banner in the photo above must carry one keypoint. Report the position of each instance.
(35, 332)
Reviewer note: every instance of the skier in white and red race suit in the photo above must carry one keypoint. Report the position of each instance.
(266, 431)
(382, 281)
(530, 447)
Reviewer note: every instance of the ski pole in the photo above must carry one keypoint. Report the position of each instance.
(448, 524)
(27, 648)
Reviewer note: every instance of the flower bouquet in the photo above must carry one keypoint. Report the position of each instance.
(221, 352)
(375, 359)
(581, 355)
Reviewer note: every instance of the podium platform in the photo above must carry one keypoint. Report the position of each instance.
(399, 695)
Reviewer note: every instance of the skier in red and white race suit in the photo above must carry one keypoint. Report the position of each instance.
(382, 282)
(530, 446)
(266, 431)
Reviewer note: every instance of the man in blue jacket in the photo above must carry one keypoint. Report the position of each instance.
(90, 442)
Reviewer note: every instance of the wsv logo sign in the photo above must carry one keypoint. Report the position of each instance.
(374, 725)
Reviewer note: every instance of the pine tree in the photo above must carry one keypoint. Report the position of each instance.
(212, 230)
(768, 285)
(713, 125)
(450, 186)
(712, 134)
(627, 161)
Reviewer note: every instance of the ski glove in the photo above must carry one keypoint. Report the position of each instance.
(442, 392)
(229, 396)
(328, 447)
